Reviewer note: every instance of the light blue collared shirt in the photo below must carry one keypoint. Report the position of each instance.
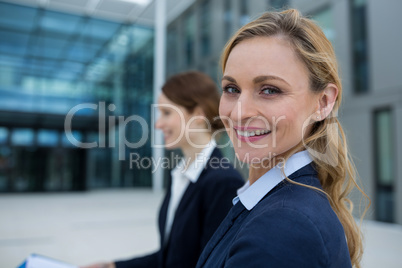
(249, 196)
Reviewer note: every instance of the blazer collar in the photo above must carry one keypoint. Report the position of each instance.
(194, 170)
(249, 196)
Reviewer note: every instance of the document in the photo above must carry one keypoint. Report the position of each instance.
(38, 261)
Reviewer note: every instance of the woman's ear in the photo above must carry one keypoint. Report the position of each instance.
(327, 101)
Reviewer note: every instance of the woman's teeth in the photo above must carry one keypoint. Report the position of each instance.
(252, 133)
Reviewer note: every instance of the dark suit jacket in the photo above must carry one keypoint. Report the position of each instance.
(202, 208)
(292, 226)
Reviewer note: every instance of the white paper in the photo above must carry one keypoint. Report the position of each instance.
(37, 261)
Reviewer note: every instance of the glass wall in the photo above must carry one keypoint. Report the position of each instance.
(172, 59)
(384, 165)
(205, 28)
(325, 20)
(228, 19)
(189, 30)
(244, 14)
(278, 4)
(359, 45)
(58, 68)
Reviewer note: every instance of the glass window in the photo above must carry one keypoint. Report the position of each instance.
(98, 30)
(325, 20)
(52, 61)
(76, 134)
(189, 37)
(46, 47)
(22, 136)
(57, 22)
(171, 50)
(359, 46)
(17, 17)
(384, 166)
(244, 17)
(13, 42)
(228, 19)
(48, 137)
(278, 4)
(205, 27)
(3, 135)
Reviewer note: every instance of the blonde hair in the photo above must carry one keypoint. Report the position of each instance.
(334, 166)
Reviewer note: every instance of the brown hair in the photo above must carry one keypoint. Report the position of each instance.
(336, 170)
(191, 89)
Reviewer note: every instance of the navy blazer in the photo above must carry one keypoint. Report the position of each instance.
(292, 226)
(202, 208)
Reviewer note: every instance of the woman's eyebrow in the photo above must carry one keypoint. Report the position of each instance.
(257, 79)
(263, 78)
(229, 78)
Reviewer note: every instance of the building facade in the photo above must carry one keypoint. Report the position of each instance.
(54, 64)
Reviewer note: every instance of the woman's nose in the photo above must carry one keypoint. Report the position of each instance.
(158, 123)
(245, 108)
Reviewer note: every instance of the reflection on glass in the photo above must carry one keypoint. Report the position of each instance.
(65, 55)
(51, 62)
(48, 137)
(3, 135)
(22, 136)
(67, 143)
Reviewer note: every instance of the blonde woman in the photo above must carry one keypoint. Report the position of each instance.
(281, 93)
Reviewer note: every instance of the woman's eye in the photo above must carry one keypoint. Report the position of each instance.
(231, 90)
(165, 112)
(270, 91)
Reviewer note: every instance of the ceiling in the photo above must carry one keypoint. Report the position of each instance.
(47, 43)
(64, 39)
(49, 48)
(126, 11)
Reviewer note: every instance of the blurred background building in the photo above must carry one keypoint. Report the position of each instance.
(57, 54)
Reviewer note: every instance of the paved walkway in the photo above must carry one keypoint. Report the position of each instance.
(82, 228)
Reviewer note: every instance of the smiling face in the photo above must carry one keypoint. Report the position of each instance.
(266, 99)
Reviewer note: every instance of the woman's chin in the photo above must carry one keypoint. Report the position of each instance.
(171, 146)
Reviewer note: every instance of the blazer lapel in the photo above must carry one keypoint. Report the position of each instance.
(223, 228)
(163, 214)
(192, 187)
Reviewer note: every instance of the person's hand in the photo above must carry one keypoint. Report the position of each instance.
(100, 265)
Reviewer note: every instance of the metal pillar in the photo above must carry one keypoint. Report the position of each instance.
(159, 79)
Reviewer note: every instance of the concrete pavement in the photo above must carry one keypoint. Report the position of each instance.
(82, 228)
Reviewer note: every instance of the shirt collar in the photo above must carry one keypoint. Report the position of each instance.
(249, 196)
(194, 170)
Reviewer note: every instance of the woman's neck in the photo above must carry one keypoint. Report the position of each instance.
(190, 151)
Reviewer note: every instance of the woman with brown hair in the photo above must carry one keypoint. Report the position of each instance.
(202, 185)
(281, 94)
